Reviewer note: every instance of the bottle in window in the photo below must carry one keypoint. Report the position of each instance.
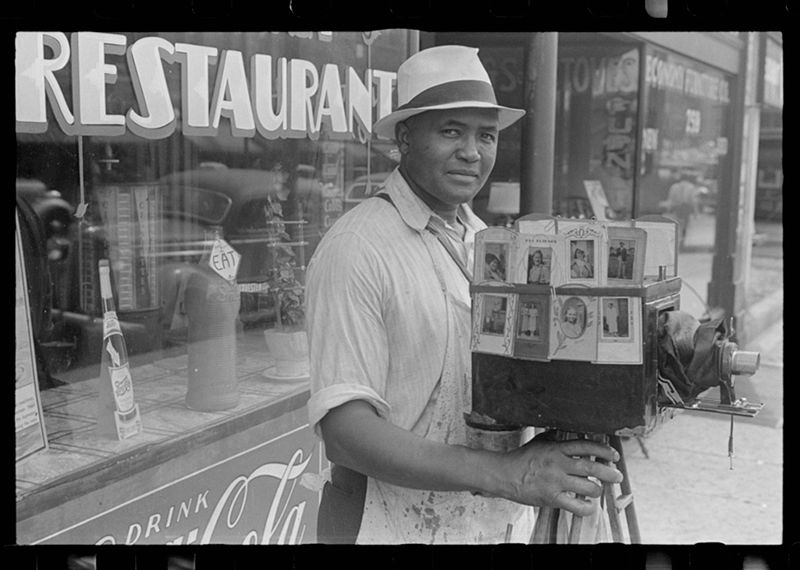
(117, 413)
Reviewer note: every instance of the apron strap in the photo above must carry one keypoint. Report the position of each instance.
(448, 246)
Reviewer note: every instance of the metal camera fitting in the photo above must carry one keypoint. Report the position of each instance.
(737, 362)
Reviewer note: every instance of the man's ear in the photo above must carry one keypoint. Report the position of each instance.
(401, 136)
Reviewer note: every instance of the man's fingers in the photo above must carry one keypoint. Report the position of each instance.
(585, 448)
(579, 506)
(588, 468)
(582, 486)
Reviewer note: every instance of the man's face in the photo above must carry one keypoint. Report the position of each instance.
(449, 153)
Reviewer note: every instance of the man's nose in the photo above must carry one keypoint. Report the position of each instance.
(468, 150)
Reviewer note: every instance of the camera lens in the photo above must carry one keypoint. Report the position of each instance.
(745, 362)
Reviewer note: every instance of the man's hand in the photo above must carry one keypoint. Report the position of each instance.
(543, 472)
(551, 473)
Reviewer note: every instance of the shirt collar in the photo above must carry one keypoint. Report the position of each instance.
(416, 213)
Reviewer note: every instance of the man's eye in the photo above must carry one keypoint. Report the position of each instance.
(489, 137)
(450, 132)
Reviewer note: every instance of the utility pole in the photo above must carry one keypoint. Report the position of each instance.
(538, 130)
(734, 229)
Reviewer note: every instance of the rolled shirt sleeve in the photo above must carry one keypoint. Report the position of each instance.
(348, 347)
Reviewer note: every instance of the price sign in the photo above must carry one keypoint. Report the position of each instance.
(224, 260)
(692, 121)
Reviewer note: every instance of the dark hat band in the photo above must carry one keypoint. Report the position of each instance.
(452, 92)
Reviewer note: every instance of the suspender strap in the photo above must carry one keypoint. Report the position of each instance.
(448, 246)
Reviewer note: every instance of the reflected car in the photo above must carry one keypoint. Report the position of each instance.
(362, 188)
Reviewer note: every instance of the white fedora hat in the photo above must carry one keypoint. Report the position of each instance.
(443, 77)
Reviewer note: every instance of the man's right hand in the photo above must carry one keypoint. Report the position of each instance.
(545, 472)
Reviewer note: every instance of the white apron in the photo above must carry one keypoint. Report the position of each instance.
(394, 514)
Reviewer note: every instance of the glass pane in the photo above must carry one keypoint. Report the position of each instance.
(685, 144)
(205, 167)
(596, 122)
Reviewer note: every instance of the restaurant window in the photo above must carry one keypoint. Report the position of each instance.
(204, 168)
(685, 144)
(596, 125)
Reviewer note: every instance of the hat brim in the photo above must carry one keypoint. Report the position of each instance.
(384, 127)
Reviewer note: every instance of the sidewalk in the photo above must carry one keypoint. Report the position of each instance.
(685, 491)
(764, 295)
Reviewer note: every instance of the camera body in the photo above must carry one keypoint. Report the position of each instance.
(627, 399)
(579, 396)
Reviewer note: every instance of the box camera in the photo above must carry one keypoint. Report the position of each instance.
(602, 350)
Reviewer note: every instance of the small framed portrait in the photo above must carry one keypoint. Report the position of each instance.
(583, 240)
(529, 320)
(625, 256)
(495, 261)
(573, 334)
(572, 319)
(582, 259)
(620, 330)
(493, 255)
(615, 318)
(493, 323)
(493, 315)
(532, 330)
(539, 265)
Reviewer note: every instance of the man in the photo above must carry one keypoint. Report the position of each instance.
(622, 259)
(389, 332)
(682, 202)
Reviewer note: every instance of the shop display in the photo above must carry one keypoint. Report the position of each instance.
(287, 341)
(212, 303)
(117, 410)
(28, 420)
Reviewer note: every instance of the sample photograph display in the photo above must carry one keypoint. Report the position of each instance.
(626, 249)
(493, 323)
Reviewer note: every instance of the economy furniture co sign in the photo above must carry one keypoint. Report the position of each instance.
(279, 98)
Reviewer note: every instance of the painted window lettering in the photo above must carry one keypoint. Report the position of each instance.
(308, 99)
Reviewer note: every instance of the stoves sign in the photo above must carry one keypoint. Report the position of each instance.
(278, 98)
(259, 496)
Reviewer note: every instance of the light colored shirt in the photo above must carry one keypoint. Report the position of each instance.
(376, 310)
(389, 323)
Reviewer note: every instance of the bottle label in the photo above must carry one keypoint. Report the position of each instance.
(111, 322)
(128, 424)
(123, 387)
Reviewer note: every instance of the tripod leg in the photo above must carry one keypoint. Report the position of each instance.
(613, 513)
(625, 487)
(545, 529)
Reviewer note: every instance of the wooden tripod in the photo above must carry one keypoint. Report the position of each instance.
(552, 525)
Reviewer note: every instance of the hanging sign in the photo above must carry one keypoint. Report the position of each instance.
(224, 260)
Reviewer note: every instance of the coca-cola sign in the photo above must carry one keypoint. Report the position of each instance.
(259, 496)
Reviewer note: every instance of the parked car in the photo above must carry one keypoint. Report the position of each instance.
(362, 188)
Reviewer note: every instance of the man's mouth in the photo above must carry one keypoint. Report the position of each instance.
(466, 173)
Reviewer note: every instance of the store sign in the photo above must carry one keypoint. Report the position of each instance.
(278, 98)
(603, 75)
(772, 79)
(667, 74)
(255, 497)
